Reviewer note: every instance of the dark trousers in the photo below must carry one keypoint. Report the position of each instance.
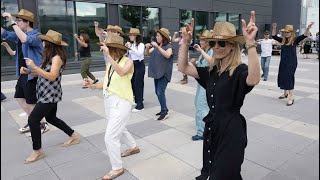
(137, 83)
(160, 87)
(49, 111)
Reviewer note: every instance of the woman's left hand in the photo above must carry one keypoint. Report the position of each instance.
(104, 48)
(154, 44)
(250, 31)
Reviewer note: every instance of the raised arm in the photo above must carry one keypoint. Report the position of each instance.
(306, 32)
(8, 48)
(81, 43)
(274, 33)
(183, 65)
(166, 53)
(249, 33)
(203, 53)
(21, 35)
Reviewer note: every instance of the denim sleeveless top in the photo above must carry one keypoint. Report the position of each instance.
(160, 66)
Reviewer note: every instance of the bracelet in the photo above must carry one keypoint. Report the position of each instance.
(251, 46)
(14, 23)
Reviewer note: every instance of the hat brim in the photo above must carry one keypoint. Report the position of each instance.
(163, 34)
(134, 34)
(236, 39)
(24, 17)
(47, 38)
(117, 46)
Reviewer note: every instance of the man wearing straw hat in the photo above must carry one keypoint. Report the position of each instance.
(28, 46)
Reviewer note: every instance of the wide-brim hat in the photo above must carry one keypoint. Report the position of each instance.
(227, 32)
(164, 32)
(26, 15)
(115, 41)
(288, 28)
(109, 27)
(54, 37)
(134, 31)
(205, 35)
(118, 29)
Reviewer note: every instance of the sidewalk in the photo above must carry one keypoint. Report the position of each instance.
(283, 142)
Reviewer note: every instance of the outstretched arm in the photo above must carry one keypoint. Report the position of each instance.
(8, 48)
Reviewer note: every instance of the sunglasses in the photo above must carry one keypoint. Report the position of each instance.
(220, 43)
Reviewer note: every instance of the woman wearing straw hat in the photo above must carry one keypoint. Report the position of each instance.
(136, 54)
(200, 100)
(160, 67)
(49, 92)
(85, 57)
(227, 81)
(118, 97)
(288, 60)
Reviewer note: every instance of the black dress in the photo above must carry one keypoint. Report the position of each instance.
(288, 63)
(225, 133)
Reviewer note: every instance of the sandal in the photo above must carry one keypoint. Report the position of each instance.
(283, 96)
(39, 156)
(112, 176)
(130, 152)
(290, 102)
(74, 139)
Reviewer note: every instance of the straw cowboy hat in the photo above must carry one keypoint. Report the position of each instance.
(206, 34)
(54, 37)
(134, 32)
(109, 27)
(115, 41)
(288, 28)
(118, 29)
(164, 32)
(227, 32)
(26, 15)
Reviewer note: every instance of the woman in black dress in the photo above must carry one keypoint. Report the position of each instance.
(227, 81)
(288, 60)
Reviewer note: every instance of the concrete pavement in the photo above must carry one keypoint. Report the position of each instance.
(283, 141)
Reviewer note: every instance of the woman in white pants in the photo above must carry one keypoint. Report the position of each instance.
(118, 97)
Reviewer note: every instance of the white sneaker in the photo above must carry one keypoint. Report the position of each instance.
(22, 114)
(137, 110)
(44, 129)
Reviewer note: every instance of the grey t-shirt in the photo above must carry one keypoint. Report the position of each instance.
(160, 66)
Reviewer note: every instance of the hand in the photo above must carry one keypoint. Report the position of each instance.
(128, 44)
(8, 16)
(274, 25)
(5, 44)
(175, 33)
(193, 60)
(249, 31)
(88, 83)
(309, 26)
(76, 36)
(187, 32)
(104, 48)
(24, 70)
(197, 47)
(148, 45)
(154, 44)
(29, 62)
(96, 23)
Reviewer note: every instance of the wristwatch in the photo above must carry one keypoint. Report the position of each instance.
(13, 23)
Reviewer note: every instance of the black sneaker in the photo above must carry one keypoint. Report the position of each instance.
(3, 97)
(158, 114)
(163, 117)
(95, 81)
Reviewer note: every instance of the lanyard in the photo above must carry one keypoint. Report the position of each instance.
(111, 73)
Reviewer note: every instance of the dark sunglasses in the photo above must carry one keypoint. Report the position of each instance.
(220, 43)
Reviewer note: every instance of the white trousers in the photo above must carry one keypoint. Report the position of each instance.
(118, 113)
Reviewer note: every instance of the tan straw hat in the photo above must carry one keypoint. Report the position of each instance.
(115, 41)
(164, 32)
(227, 32)
(26, 15)
(109, 27)
(118, 29)
(288, 28)
(206, 34)
(54, 37)
(134, 31)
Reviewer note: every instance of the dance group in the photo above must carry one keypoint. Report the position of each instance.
(223, 82)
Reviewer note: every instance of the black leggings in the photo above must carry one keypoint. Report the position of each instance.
(49, 111)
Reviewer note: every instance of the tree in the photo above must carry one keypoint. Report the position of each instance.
(132, 14)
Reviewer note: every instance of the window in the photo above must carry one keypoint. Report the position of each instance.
(220, 17)
(133, 16)
(86, 14)
(59, 16)
(201, 23)
(235, 20)
(185, 17)
(10, 6)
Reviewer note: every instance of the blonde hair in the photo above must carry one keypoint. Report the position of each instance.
(234, 62)
(291, 40)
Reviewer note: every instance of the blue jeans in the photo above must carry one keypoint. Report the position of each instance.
(160, 88)
(265, 61)
(202, 109)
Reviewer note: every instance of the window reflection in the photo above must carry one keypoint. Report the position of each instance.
(220, 17)
(150, 23)
(130, 17)
(185, 17)
(201, 23)
(58, 15)
(234, 19)
(86, 14)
